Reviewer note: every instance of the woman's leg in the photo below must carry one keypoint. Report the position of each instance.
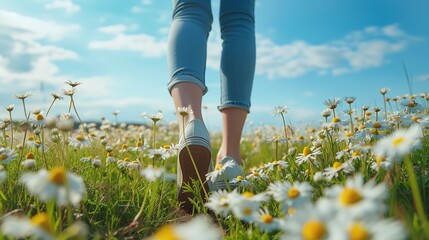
(187, 52)
(237, 71)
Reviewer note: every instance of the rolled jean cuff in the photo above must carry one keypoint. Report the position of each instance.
(234, 104)
(186, 78)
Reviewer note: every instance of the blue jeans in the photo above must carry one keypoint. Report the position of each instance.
(187, 47)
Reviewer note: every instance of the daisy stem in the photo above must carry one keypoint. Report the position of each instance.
(43, 147)
(154, 135)
(351, 118)
(77, 114)
(11, 129)
(50, 106)
(285, 130)
(416, 193)
(385, 108)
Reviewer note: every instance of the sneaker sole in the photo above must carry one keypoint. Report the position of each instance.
(202, 158)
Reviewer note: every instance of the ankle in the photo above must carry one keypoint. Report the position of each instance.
(235, 156)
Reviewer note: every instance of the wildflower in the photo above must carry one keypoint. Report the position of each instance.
(73, 84)
(245, 206)
(349, 100)
(383, 91)
(9, 108)
(39, 226)
(382, 162)
(310, 222)
(192, 230)
(65, 123)
(140, 146)
(96, 162)
(265, 221)
(56, 184)
(184, 111)
(154, 117)
(326, 113)
(337, 167)
(356, 198)
(308, 154)
(277, 163)
(291, 195)
(79, 141)
(24, 95)
(279, 111)
(257, 174)
(69, 92)
(400, 143)
(220, 202)
(332, 103)
(241, 181)
(318, 176)
(159, 153)
(219, 170)
(7, 155)
(383, 229)
(29, 161)
(56, 96)
(152, 174)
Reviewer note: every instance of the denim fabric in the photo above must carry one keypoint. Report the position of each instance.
(187, 47)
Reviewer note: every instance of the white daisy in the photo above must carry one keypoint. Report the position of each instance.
(220, 202)
(357, 198)
(400, 143)
(39, 226)
(291, 195)
(308, 154)
(193, 230)
(152, 174)
(56, 184)
(158, 154)
(219, 170)
(338, 167)
(79, 141)
(256, 174)
(7, 155)
(265, 221)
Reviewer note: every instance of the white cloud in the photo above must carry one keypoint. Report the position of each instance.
(136, 9)
(66, 5)
(146, 2)
(147, 45)
(27, 53)
(356, 51)
(423, 77)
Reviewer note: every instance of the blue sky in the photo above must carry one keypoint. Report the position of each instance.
(308, 51)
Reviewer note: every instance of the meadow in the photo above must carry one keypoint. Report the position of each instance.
(362, 173)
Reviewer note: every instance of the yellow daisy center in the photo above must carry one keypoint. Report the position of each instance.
(358, 232)
(397, 141)
(267, 219)
(380, 159)
(293, 192)
(127, 159)
(39, 117)
(300, 137)
(110, 154)
(376, 125)
(80, 138)
(3, 156)
(57, 175)
(336, 165)
(247, 211)
(124, 146)
(415, 118)
(335, 120)
(256, 174)
(367, 113)
(29, 155)
(30, 138)
(350, 196)
(218, 167)
(165, 146)
(356, 154)
(306, 151)
(92, 135)
(166, 232)
(247, 194)
(139, 143)
(349, 134)
(42, 220)
(313, 230)
(361, 127)
(411, 104)
(240, 178)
